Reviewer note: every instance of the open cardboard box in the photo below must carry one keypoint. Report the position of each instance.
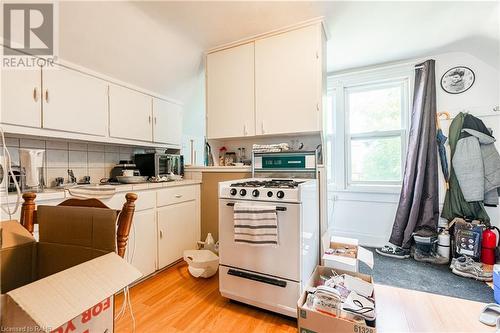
(310, 321)
(347, 254)
(78, 299)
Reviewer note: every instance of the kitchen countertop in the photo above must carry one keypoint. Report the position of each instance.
(58, 194)
(246, 168)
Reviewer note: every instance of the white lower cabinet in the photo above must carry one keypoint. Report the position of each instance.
(178, 230)
(141, 248)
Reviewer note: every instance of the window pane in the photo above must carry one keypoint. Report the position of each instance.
(377, 159)
(377, 109)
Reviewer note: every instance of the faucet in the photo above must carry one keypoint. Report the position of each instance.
(71, 176)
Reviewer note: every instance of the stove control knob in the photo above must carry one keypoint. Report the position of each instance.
(243, 192)
(280, 194)
(255, 193)
(270, 194)
(233, 191)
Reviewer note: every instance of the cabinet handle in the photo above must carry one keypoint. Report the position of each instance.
(161, 234)
(35, 94)
(155, 120)
(245, 130)
(178, 196)
(47, 95)
(149, 119)
(262, 127)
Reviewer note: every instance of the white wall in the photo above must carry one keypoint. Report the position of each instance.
(369, 216)
(193, 127)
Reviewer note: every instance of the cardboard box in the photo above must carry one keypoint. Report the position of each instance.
(78, 299)
(18, 256)
(347, 254)
(67, 281)
(310, 321)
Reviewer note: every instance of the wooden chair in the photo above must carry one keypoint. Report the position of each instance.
(125, 217)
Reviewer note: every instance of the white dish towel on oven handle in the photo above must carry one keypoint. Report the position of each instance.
(255, 225)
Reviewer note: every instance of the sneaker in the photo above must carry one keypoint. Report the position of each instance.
(360, 305)
(394, 252)
(467, 267)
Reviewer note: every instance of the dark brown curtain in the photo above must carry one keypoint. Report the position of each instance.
(419, 203)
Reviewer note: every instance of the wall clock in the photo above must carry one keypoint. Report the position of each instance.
(458, 79)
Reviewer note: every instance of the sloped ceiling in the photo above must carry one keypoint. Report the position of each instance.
(159, 45)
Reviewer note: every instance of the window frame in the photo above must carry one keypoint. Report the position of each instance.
(373, 135)
(340, 85)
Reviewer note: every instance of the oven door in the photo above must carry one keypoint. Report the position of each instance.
(281, 261)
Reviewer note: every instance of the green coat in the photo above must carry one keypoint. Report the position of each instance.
(454, 202)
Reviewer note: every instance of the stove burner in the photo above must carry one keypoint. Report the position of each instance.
(273, 183)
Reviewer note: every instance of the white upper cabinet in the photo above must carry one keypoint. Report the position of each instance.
(167, 122)
(230, 92)
(130, 114)
(74, 102)
(288, 75)
(21, 97)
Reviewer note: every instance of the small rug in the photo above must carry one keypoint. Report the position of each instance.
(436, 279)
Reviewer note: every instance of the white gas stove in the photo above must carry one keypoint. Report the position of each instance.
(271, 277)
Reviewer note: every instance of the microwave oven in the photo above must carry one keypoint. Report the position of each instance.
(159, 165)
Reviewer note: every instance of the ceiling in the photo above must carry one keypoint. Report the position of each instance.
(159, 45)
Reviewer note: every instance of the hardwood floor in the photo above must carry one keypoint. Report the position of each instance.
(174, 301)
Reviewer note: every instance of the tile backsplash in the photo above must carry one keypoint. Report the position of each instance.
(85, 159)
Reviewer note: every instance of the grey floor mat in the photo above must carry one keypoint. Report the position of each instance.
(436, 279)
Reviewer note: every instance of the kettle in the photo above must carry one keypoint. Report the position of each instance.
(32, 165)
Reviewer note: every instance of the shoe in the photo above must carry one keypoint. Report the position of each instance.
(394, 252)
(432, 258)
(467, 267)
(360, 305)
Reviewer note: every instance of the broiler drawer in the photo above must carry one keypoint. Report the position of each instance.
(176, 194)
(264, 291)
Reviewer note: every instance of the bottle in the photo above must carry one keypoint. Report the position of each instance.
(444, 244)
(488, 245)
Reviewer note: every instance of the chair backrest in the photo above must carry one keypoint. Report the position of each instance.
(125, 217)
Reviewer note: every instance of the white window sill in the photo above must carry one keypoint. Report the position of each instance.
(371, 189)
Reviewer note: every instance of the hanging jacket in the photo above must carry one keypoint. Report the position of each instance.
(477, 163)
(455, 204)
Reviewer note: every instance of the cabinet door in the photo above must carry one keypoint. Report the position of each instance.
(230, 92)
(21, 102)
(177, 228)
(74, 102)
(142, 242)
(130, 114)
(167, 120)
(288, 82)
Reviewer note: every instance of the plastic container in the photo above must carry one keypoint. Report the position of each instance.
(201, 263)
(444, 244)
(496, 283)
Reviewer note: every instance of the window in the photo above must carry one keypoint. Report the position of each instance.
(366, 129)
(375, 118)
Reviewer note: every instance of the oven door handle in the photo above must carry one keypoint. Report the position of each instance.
(258, 278)
(281, 209)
